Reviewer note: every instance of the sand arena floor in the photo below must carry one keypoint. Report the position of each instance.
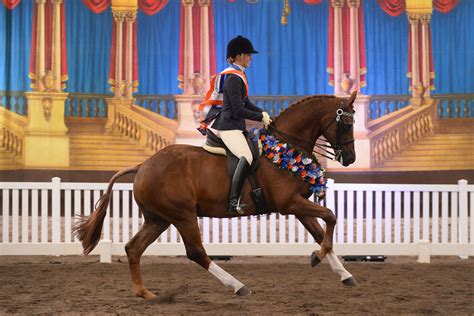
(281, 285)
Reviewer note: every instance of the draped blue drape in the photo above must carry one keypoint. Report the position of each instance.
(292, 59)
(158, 50)
(386, 45)
(15, 43)
(453, 49)
(88, 48)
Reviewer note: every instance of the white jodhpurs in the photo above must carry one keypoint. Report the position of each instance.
(237, 144)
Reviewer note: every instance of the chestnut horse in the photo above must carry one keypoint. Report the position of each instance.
(181, 182)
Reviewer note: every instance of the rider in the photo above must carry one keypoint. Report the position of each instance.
(230, 124)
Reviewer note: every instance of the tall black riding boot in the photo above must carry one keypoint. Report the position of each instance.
(238, 179)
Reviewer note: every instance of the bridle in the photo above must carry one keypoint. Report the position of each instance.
(341, 126)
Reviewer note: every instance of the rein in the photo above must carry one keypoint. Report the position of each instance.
(337, 147)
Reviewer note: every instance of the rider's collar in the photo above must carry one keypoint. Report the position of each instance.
(238, 67)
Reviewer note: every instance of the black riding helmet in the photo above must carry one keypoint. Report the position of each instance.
(239, 45)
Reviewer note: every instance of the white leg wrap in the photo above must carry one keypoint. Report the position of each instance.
(224, 277)
(337, 266)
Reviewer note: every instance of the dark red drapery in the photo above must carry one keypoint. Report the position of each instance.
(445, 6)
(392, 7)
(150, 7)
(312, 1)
(97, 6)
(11, 4)
(48, 26)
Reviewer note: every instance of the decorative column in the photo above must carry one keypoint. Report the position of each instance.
(425, 23)
(130, 17)
(205, 64)
(338, 54)
(188, 47)
(415, 81)
(56, 55)
(46, 144)
(119, 17)
(40, 45)
(354, 44)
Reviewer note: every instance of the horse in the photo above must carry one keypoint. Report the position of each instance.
(180, 183)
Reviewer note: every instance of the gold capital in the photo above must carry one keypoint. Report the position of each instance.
(188, 3)
(119, 16)
(353, 3)
(337, 3)
(204, 3)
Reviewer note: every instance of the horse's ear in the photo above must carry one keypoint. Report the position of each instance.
(352, 98)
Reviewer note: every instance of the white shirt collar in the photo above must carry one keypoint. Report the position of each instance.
(240, 67)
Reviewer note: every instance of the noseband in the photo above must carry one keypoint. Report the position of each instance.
(340, 127)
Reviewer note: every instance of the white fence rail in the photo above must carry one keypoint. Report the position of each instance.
(372, 219)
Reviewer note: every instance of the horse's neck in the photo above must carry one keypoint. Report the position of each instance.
(302, 122)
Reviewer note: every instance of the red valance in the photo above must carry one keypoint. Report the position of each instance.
(11, 4)
(150, 7)
(392, 7)
(97, 6)
(313, 1)
(445, 6)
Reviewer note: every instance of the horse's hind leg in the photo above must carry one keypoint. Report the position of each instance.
(148, 233)
(195, 251)
(313, 227)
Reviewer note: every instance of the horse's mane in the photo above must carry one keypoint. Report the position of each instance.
(294, 105)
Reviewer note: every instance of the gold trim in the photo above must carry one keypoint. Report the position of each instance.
(330, 70)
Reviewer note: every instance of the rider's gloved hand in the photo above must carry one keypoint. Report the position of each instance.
(266, 119)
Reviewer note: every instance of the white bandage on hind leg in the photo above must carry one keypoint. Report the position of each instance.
(337, 266)
(224, 277)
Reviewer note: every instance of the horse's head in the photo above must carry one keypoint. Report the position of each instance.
(337, 127)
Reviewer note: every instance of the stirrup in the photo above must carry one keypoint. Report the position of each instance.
(239, 209)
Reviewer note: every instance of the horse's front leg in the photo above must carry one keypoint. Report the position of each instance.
(305, 208)
(313, 227)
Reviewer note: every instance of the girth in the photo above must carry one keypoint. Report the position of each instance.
(215, 145)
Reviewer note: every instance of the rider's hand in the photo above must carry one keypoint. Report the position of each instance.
(266, 119)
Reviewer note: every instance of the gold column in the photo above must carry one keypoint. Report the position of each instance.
(203, 81)
(130, 19)
(56, 49)
(425, 22)
(354, 44)
(188, 47)
(119, 17)
(413, 19)
(40, 46)
(338, 54)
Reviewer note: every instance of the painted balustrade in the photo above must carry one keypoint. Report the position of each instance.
(392, 132)
(164, 105)
(12, 131)
(152, 130)
(455, 105)
(15, 101)
(87, 105)
(386, 219)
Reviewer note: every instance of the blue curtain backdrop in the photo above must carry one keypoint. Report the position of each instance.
(292, 59)
(158, 50)
(453, 49)
(15, 43)
(386, 45)
(88, 48)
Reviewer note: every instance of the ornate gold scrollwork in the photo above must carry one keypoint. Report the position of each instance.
(47, 104)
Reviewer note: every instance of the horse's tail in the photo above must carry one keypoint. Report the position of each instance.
(89, 228)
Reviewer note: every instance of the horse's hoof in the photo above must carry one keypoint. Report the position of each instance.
(243, 291)
(314, 260)
(349, 282)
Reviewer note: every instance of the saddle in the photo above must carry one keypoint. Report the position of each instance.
(215, 145)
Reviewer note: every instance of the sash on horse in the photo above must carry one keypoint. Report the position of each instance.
(211, 107)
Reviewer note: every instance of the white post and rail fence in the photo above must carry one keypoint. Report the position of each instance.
(372, 219)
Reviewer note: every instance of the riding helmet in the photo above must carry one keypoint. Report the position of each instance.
(239, 45)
